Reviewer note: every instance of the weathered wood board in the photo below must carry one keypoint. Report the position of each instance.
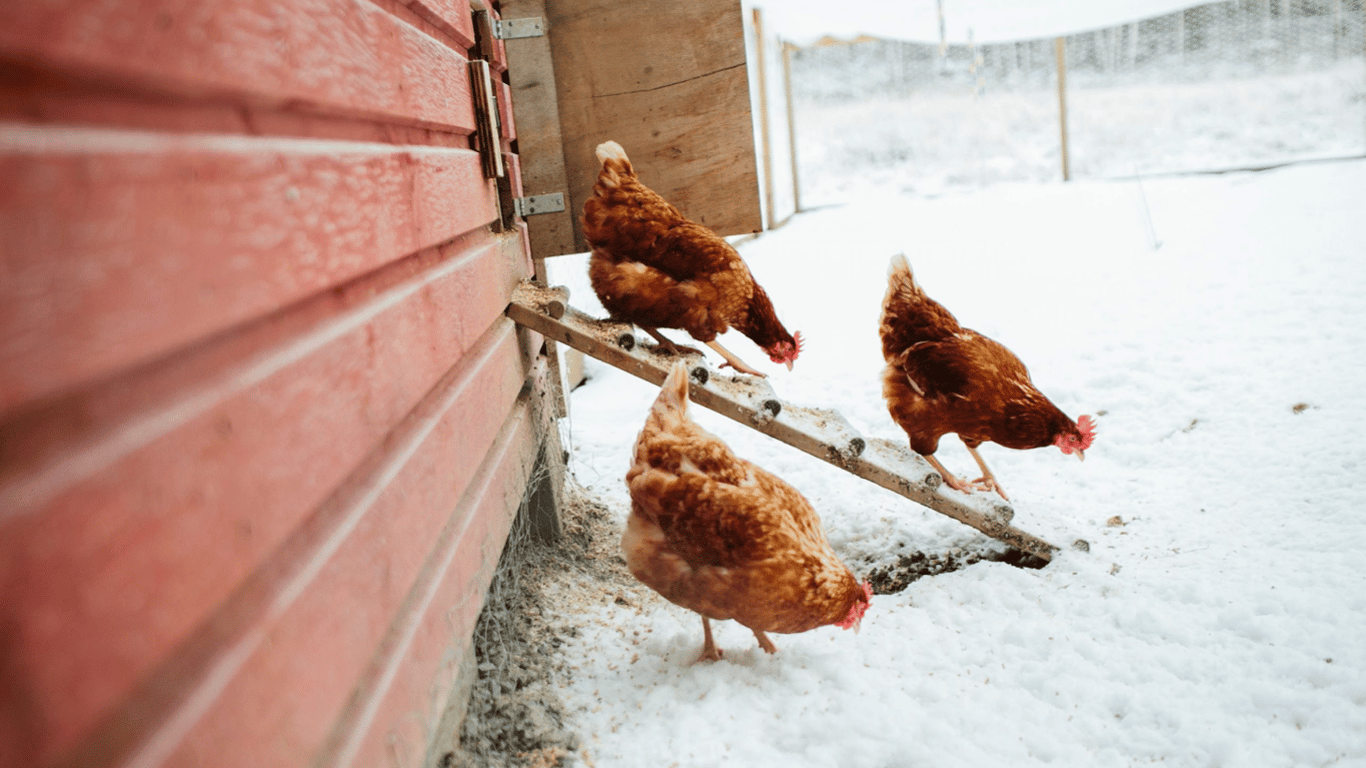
(751, 401)
(666, 80)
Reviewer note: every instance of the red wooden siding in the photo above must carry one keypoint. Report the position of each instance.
(263, 423)
(287, 218)
(348, 57)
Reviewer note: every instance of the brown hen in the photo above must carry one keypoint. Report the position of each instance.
(715, 534)
(941, 377)
(653, 267)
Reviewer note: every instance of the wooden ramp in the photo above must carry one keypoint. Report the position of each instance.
(751, 401)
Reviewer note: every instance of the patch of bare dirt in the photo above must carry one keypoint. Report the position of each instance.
(515, 716)
(893, 577)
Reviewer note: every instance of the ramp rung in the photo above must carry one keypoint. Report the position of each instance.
(751, 401)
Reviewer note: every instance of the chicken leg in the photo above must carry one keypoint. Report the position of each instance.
(709, 650)
(987, 481)
(668, 347)
(764, 642)
(734, 361)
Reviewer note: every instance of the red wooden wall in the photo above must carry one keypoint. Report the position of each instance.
(263, 424)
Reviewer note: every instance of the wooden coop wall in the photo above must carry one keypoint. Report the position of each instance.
(263, 423)
(667, 79)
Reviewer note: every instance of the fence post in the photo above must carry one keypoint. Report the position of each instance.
(764, 121)
(788, 48)
(1060, 53)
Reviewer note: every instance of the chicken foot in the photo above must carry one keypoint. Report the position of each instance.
(734, 361)
(709, 650)
(987, 482)
(950, 479)
(711, 653)
(669, 348)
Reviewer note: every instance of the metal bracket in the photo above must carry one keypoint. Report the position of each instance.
(530, 206)
(512, 29)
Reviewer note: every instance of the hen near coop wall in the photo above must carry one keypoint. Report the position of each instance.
(263, 423)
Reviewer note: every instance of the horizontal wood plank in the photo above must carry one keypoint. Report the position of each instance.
(130, 511)
(33, 94)
(124, 245)
(337, 57)
(450, 16)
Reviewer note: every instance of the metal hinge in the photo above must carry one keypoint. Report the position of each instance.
(530, 206)
(512, 29)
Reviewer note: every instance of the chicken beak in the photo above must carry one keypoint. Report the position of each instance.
(857, 625)
(789, 365)
(1081, 455)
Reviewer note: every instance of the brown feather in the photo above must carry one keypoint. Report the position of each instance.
(942, 378)
(654, 267)
(718, 535)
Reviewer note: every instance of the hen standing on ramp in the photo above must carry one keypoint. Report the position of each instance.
(715, 534)
(942, 377)
(655, 268)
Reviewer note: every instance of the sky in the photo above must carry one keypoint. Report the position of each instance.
(805, 21)
(1214, 325)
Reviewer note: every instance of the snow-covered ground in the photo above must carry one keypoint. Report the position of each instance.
(1223, 623)
(933, 138)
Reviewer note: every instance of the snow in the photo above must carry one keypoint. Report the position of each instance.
(933, 140)
(1221, 623)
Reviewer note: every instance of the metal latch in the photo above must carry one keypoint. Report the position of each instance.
(512, 29)
(530, 206)
(487, 126)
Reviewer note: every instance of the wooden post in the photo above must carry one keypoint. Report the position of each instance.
(770, 209)
(1337, 29)
(1060, 53)
(788, 48)
(540, 139)
(1181, 36)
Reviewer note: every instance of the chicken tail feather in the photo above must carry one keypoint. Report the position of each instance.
(610, 150)
(673, 395)
(616, 166)
(900, 276)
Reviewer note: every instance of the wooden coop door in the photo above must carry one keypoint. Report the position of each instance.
(665, 78)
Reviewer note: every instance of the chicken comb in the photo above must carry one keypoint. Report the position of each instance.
(1087, 426)
(797, 337)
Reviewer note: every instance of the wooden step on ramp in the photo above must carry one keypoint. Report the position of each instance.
(751, 401)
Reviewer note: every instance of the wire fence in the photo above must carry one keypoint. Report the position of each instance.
(1219, 86)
